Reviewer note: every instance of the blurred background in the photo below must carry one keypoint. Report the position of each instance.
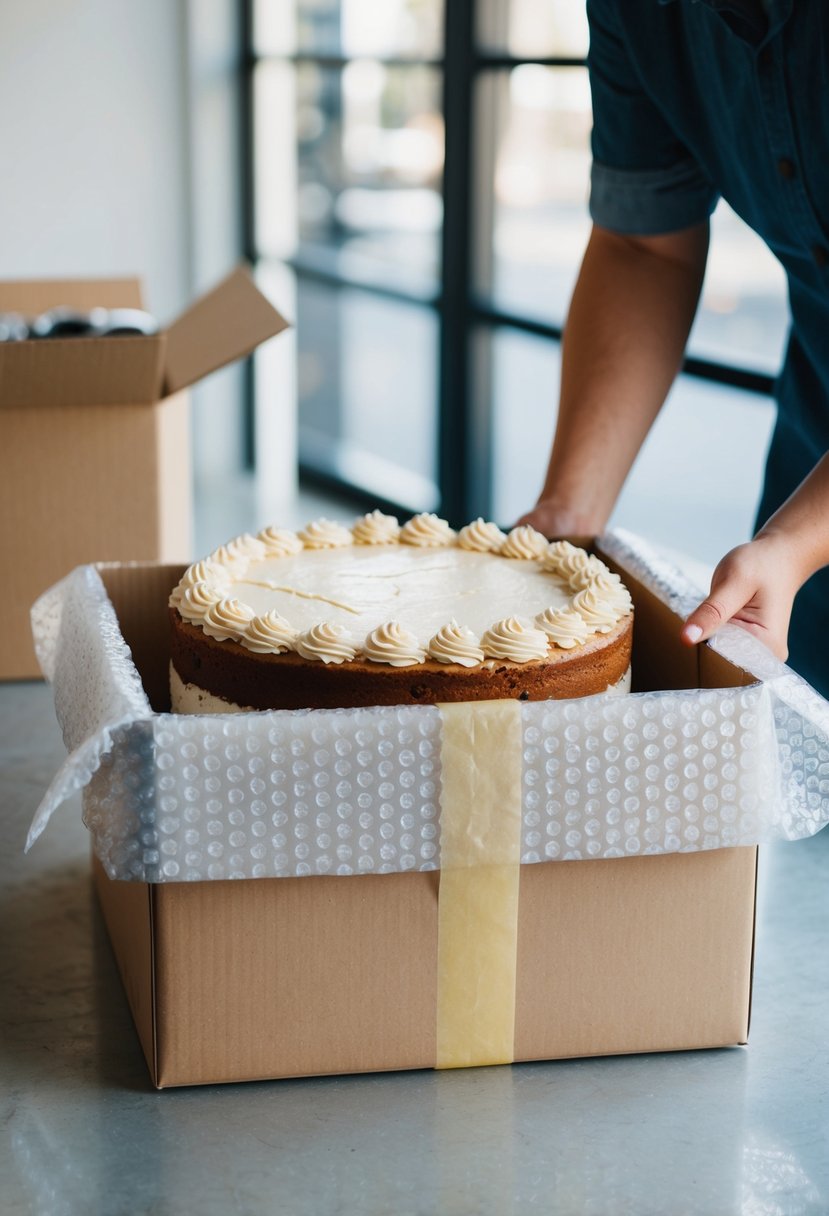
(409, 180)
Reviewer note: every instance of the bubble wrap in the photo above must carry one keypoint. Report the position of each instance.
(170, 798)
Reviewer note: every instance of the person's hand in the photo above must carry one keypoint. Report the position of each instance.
(753, 587)
(553, 520)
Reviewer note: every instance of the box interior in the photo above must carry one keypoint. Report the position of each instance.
(225, 324)
(78, 371)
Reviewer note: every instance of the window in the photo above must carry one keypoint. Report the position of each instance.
(420, 172)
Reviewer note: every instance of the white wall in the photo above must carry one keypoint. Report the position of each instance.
(119, 154)
(93, 148)
(215, 212)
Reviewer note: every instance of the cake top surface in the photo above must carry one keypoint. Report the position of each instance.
(400, 595)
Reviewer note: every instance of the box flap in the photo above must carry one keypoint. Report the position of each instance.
(81, 371)
(717, 672)
(34, 296)
(225, 324)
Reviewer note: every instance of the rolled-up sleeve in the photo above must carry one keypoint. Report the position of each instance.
(644, 181)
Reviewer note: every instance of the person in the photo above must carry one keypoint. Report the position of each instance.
(693, 99)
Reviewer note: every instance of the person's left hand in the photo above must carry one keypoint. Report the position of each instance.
(753, 587)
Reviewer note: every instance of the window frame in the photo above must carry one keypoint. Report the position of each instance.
(464, 424)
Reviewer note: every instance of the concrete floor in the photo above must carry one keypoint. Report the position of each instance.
(733, 1131)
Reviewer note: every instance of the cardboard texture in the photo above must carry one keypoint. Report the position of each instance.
(95, 436)
(286, 977)
(282, 977)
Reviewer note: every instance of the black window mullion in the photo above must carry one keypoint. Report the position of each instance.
(336, 63)
(305, 268)
(485, 60)
(247, 119)
(454, 415)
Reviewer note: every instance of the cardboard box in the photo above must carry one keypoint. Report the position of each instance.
(95, 440)
(282, 977)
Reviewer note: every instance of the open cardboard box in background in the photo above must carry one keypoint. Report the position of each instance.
(95, 438)
(281, 977)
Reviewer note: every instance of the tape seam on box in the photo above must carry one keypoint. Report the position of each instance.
(480, 849)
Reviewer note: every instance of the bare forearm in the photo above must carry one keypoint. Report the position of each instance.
(801, 525)
(626, 331)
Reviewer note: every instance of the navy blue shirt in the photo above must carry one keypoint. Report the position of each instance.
(697, 99)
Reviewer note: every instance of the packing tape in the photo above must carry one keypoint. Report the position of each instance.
(480, 849)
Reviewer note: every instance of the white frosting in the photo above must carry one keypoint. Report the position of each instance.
(227, 618)
(279, 542)
(524, 542)
(481, 536)
(597, 612)
(195, 601)
(565, 559)
(238, 552)
(269, 633)
(325, 534)
(610, 587)
(376, 529)
(512, 639)
(564, 627)
(364, 586)
(585, 573)
(318, 591)
(426, 531)
(327, 642)
(188, 698)
(393, 644)
(205, 571)
(454, 643)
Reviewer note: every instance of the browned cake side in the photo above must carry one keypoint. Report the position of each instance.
(287, 681)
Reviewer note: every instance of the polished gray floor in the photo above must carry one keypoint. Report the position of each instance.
(708, 1132)
(743, 1130)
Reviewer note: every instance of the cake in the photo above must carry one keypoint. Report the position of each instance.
(379, 614)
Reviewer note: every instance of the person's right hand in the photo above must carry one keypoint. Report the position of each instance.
(554, 520)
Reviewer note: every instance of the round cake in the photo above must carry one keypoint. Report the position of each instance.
(382, 614)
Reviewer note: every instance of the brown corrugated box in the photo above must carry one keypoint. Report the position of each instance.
(95, 439)
(285, 977)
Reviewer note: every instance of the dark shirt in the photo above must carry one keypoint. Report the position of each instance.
(693, 99)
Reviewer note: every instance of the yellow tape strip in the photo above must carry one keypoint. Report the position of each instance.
(480, 850)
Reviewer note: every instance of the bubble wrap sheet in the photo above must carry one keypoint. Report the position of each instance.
(171, 798)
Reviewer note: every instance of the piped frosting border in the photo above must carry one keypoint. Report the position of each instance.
(599, 601)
